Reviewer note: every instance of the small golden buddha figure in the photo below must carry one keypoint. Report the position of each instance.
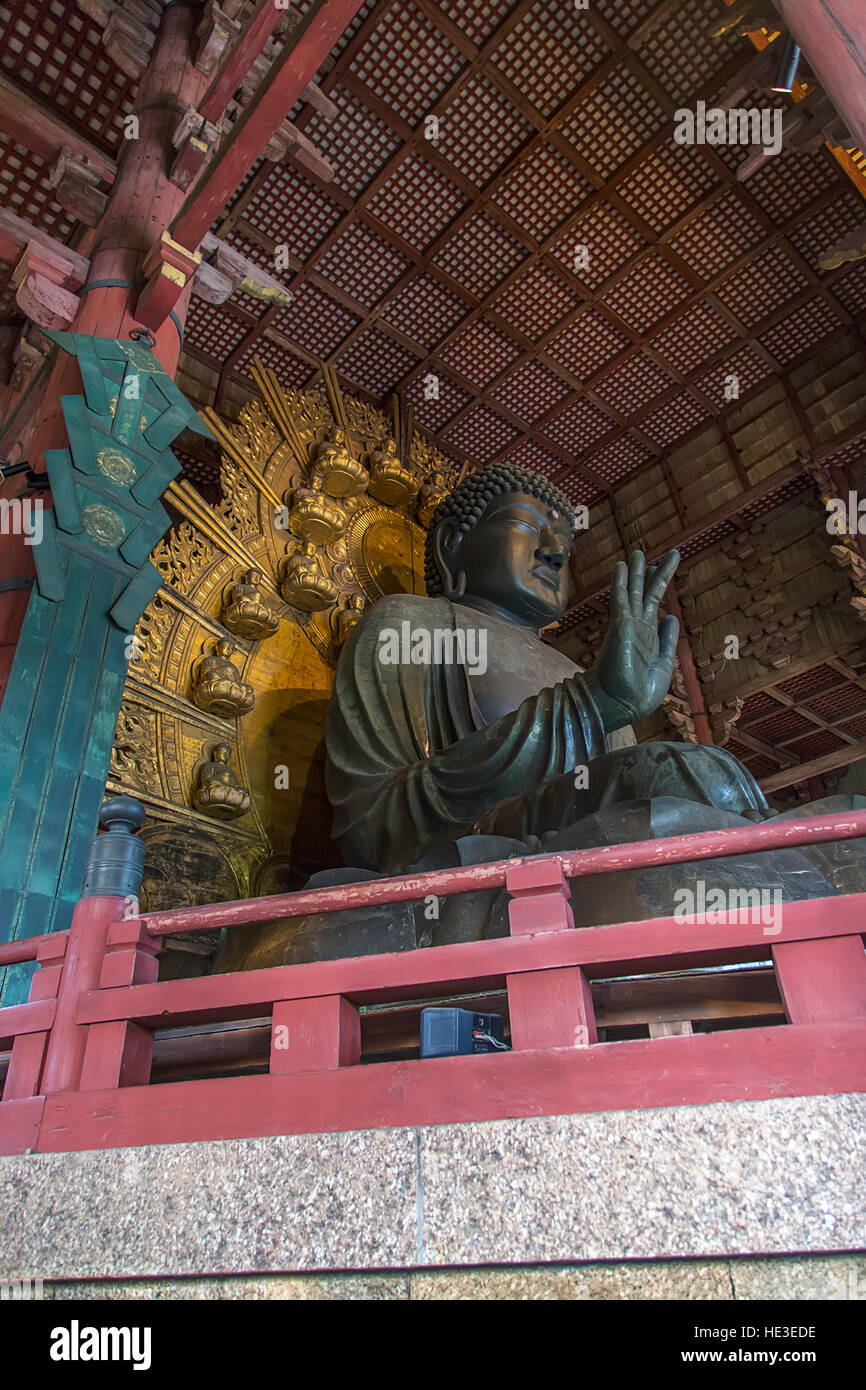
(390, 480)
(344, 619)
(303, 583)
(217, 684)
(434, 491)
(218, 792)
(314, 517)
(341, 475)
(247, 612)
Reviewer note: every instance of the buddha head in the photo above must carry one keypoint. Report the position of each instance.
(220, 753)
(502, 538)
(253, 577)
(225, 648)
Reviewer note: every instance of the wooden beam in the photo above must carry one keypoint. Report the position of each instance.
(851, 753)
(27, 121)
(319, 30)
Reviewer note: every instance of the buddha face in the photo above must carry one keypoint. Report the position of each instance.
(515, 559)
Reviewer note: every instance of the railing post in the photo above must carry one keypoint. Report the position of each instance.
(547, 1008)
(121, 1053)
(315, 1034)
(822, 981)
(112, 880)
(28, 1049)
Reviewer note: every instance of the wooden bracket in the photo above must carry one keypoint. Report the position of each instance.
(41, 277)
(194, 139)
(167, 266)
(216, 33)
(76, 188)
(230, 270)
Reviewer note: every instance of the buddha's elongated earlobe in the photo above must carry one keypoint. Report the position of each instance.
(445, 542)
(458, 588)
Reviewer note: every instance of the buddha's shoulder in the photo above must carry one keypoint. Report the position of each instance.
(416, 609)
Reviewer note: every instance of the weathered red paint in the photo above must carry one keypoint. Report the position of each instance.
(821, 981)
(99, 1048)
(315, 1035)
(677, 849)
(832, 34)
(81, 970)
(752, 1064)
(624, 948)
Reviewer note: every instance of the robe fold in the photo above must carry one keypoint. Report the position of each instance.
(413, 760)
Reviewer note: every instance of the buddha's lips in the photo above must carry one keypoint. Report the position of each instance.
(547, 575)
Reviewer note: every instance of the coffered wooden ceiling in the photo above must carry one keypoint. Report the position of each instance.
(582, 288)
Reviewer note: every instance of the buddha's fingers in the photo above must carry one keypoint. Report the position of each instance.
(636, 570)
(619, 606)
(669, 632)
(658, 580)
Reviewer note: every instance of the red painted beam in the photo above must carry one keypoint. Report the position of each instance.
(240, 60)
(26, 948)
(676, 849)
(623, 948)
(36, 1016)
(320, 29)
(747, 1064)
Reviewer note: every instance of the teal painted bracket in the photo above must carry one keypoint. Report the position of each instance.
(94, 580)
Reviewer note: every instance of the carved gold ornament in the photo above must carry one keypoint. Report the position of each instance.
(238, 647)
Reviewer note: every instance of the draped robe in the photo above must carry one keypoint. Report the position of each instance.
(419, 754)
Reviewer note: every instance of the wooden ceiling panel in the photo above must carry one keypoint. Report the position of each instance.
(481, 434)
(417, 202)
(424, 310)
(372, 357)
(548, 53)
(480, 254)
(407, 61)
(480, 352)
(542, 192)
(613, 122)
(357, 143)
(362, 264)
(530, 391)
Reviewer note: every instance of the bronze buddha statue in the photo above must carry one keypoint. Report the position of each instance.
(456, 735)
(428, 744)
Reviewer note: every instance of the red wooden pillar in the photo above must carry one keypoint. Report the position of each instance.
(688, 670)
(85, 953)
(142, 202)
(315, 1034)
(28, 1049)
(547, 1008)
(832, 34)
(822, 981)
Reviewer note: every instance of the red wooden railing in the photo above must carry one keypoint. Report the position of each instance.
(81, 1048)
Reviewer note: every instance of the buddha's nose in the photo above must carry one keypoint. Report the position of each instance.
(550, 551)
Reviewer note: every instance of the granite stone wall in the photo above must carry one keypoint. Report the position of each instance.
(555, 1205)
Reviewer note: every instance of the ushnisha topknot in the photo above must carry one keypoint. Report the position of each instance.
(468, 500)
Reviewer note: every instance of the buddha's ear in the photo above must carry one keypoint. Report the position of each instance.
(446, 543)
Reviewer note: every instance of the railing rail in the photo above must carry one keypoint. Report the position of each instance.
(608, 859)
(80, 1068)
